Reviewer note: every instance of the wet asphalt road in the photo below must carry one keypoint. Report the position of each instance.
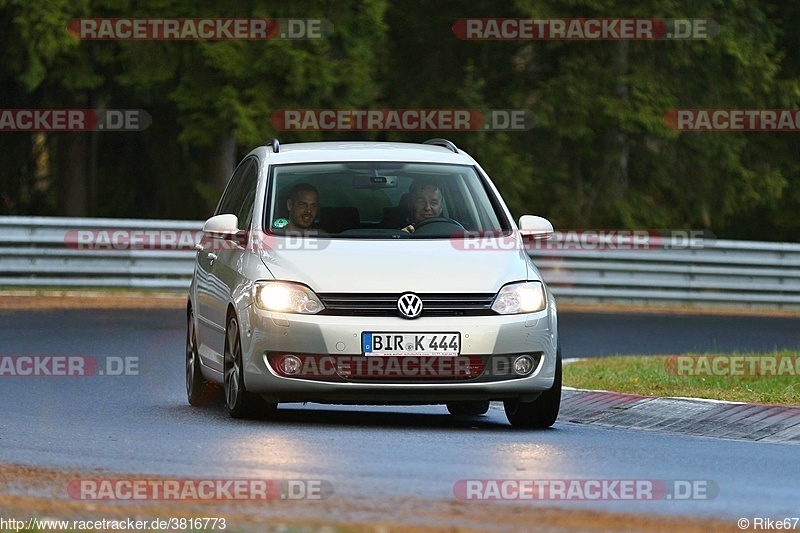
(142, 424)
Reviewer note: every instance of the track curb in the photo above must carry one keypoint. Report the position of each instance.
(686, 416)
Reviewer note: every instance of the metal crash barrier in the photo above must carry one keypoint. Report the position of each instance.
(158, 254)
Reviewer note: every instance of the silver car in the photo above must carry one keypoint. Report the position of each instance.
(371, 273)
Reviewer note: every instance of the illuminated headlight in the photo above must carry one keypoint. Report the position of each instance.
(286, 297)
(516, 298)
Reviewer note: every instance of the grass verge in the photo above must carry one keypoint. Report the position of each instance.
(769, 378)
(51, 299)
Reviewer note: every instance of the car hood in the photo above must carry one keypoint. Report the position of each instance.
(393, 266)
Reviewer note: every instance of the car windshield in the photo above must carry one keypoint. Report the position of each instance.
(380, 199)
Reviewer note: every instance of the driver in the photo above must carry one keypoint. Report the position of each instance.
(424, 201)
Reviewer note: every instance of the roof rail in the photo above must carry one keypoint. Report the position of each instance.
(442, 142)
(275, 144)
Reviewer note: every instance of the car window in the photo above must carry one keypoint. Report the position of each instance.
(373, 199)
(239, 196)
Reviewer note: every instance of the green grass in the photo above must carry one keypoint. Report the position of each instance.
(658, 376)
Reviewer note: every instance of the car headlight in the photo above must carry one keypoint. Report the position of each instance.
(284, 297)
(516, 298)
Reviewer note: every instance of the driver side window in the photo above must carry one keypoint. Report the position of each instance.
(239, 196)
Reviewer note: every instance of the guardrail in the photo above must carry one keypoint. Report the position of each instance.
(42, 252)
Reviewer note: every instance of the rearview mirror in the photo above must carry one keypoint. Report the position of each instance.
(374, 182)
(535, 227)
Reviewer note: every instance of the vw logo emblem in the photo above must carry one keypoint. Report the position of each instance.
(409, 305)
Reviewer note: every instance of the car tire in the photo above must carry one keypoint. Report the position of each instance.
(468, 408)
(239, 402)
(199, 391)
(543, 411)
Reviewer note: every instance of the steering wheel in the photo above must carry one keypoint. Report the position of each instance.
(438, 225)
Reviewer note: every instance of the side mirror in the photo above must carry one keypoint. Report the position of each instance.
(222, 226)
(535, 227)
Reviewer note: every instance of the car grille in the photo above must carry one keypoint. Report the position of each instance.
(353, 304)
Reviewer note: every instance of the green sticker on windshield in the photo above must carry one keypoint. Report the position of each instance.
(280, 223)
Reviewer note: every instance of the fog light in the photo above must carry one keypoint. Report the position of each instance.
(523, 365)
(291, 365)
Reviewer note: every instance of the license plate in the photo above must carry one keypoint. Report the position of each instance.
(423, 344)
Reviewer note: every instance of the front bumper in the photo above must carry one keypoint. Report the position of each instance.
(266, 335)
